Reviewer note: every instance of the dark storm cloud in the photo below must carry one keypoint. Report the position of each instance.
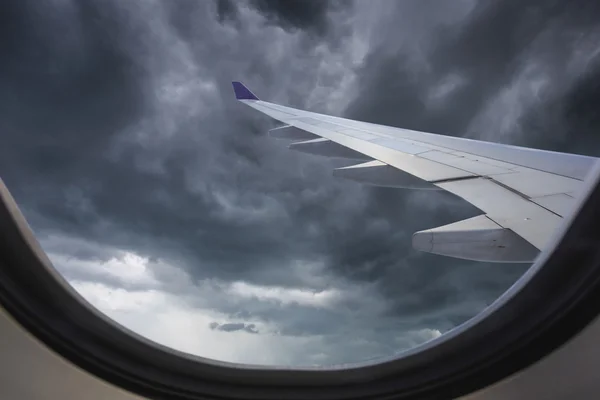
(580, 110)
(233, 327)
(226, 10)
(304, 15)
(487, 50)
(239, 189)
(47, 80)
(125, 132)
(311, 16)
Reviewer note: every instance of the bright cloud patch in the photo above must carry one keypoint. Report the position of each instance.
(200, 318)
(286, 296)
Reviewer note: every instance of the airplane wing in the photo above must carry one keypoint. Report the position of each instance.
(523, 193)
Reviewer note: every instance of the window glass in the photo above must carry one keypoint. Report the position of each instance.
(163, 201)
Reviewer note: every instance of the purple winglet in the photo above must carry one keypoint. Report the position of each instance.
(242, 92)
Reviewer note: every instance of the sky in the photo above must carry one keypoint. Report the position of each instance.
(163, 202)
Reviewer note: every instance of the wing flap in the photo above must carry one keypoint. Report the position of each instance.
(479, 239)
(508, 209)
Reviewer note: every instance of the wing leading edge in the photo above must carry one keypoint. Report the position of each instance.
(523, 193)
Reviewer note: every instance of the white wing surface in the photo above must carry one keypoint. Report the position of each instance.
(523, 193)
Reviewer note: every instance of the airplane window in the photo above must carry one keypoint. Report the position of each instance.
(165, 203)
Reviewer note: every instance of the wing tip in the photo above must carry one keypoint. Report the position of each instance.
(242, 92)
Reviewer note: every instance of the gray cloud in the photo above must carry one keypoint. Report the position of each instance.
(120, 129)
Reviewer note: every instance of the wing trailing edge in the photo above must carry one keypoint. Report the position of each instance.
(327, 148)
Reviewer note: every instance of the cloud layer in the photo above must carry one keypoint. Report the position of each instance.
(163, 202)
